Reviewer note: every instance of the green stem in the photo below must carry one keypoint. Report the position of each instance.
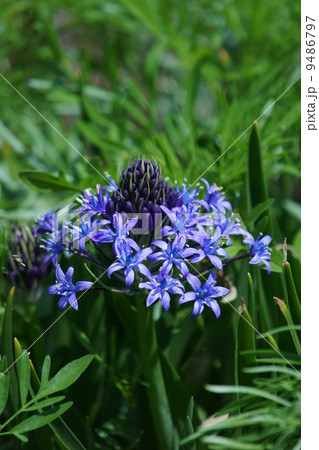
(22, 409)
(293, 299)
(156, 391)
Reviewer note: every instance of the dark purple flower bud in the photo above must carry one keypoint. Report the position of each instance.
(129, 207)
(26, 257)
(142, 189)
(137, 176)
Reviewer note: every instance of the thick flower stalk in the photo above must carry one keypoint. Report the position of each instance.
(189, 231)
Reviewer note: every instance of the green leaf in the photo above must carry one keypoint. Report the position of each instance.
(293, 299)
(127, 315)
(256, 212)
(65, 377)
(178, 396)
(297, 243)
(4, 383)
(261, 226)
(251, 297)
(45, 371)
(7, 350)
(44, 181)
(276, 261)
(44, 403)
(62, 432)
(216, 389)
(257, 183)
(188, 425)
(148, 15)
(274, 368)
(39, 420)
(285, 311)
(245, 341)
(24, 376)
(153, 374)
(228, 443)
(21, 437)
(292, 208)
(256, 178)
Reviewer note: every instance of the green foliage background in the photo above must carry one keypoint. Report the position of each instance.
(178, 82)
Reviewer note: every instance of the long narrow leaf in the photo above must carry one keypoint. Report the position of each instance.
(293, 299)
(285, 311)
(4, 383)
(247, 390)
(39, 420)
(156, 391)
(65, 377)
(245, 342)
(256, 178)
(23, 367)
(7, 349)
(62, 432)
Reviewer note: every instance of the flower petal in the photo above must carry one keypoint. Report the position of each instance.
(152, 297)
(69, 275)
(73, 302)
(60, 274)
(198, 308)
(255, 260)
(146, 285)
(189, 296)
(194, 282)
(220, 291)
(144, 254)
(213, 305)
(83, 285)
(63, 301)
(175, 290)
(166, 300)
(129, 276)
(216, 262)
(53, 290)
(114, 267)
(161, 244)
(144, 270)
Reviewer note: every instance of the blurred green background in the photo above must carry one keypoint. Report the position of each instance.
(173, 80)
(178, 82)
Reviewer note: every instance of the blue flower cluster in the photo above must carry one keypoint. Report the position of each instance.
(187, 233)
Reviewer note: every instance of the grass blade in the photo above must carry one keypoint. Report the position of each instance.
(285, 311)
(245, 341)
(23, 368)
(7, 349)
(293, 299)
(4, 384)
(156, 391)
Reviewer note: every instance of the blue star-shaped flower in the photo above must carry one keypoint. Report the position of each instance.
(184, 220)
(259, 249)
(160, 287)
(228, 227)
(204, 295)
(128, 261)
(65, 287)
(186, 194)
(120, 231)
(94, 203)
(214, 199)
(53, 245)
(209, 247)
(174, 253)
(46, 223)
(86, 230)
